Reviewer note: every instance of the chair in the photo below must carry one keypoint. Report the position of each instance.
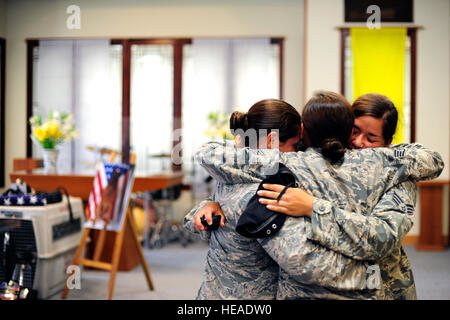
(164, 230)
(105, 151)
(27, 164)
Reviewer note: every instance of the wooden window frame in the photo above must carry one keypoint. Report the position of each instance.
(31, 44)
(177, 44)
(412, 34)
(2, 110)
(280, 43)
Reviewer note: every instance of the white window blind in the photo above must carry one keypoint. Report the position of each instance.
(223, 75)
(151, 110)
(82, 77)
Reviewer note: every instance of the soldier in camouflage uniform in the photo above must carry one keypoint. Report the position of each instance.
(238, 267)
(375, 124)
(308, 270)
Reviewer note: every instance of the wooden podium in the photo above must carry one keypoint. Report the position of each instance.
(128, 226)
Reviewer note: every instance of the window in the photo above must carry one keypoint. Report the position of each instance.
(81, 77)
(151, 109)
(224, 75)
(133, 94)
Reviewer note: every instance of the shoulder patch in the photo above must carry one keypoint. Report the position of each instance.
(402, 206)
(399, 153)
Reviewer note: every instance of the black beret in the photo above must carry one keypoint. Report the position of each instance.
(259, 222)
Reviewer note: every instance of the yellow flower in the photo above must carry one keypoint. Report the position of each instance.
(218, 126)
(53, 130)
(40, 133)
(58, 134)
(221, 132)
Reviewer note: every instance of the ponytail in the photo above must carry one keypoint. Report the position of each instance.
(333, 149)
(328, 120)
(238, 120)
(266, 115)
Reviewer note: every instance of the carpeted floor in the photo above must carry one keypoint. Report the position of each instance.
(431, 273)
(177, 274)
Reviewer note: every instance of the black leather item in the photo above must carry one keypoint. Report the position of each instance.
(215, 223)
(259, 222)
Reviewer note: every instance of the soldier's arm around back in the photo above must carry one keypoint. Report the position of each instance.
(366, 237)
(230, 165)
(413, 161)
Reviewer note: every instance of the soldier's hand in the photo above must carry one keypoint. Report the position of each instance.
(294, 202)
(210, 209)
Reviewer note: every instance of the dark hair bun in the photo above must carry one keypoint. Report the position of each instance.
(238, 120)
(333, 149)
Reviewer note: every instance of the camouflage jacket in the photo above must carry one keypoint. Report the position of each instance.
(309, 269)
(236, 267)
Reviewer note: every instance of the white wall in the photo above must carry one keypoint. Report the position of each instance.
(433, 77)
(433, 86)
(323, 47)
(139, 18)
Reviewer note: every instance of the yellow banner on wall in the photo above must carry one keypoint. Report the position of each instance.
(379, 66)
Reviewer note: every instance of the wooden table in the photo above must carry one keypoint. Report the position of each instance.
(80, 185)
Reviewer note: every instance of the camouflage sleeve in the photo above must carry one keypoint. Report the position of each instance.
(188, 221)
(412, 161)
(311, 263)
(230, 165)
(366, 237)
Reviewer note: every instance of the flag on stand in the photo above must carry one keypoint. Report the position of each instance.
(102, 180)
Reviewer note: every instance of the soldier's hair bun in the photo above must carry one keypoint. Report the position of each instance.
(333, 149)
(238, 120)
(328, 120)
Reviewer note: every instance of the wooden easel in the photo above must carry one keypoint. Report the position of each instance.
(128, 225)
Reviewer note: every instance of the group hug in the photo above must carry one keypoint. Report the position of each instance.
(335, 230)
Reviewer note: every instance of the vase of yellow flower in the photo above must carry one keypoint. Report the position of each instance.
(50, 157)
(49, 134)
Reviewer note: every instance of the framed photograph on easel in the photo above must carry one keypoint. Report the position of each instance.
(108, 211)
(109, 197)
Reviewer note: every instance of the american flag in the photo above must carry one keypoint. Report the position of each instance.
(101, 180)
(23, 200)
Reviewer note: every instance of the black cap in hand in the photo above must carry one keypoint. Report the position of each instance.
(215, 223)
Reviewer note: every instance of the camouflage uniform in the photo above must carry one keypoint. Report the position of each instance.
(374, 236)
(236, 267)
(309, 269)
